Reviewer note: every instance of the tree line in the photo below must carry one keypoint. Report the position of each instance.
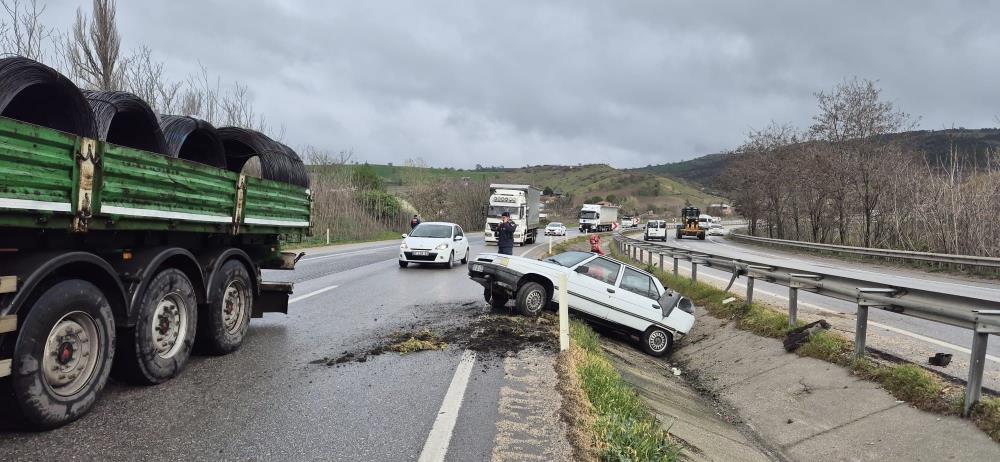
(844, 180)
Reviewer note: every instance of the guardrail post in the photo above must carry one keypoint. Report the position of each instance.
(563, 313)
(750, 280)
(676, 265)
(793, 305)
(980, 339)
(650, 257)
(661, 262)
(694, 271)
(861, 330)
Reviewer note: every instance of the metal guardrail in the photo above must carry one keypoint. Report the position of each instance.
(969, 260)
(982, 316)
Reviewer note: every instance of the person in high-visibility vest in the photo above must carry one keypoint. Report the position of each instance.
(595, 244)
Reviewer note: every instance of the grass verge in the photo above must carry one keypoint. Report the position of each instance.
(907, 382)
(623, 429)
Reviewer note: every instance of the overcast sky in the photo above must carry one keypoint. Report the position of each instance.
(511, 83)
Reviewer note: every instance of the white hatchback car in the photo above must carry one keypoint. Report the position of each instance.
(602, 290)
(555, 229)
(434, 242)
(715, 229)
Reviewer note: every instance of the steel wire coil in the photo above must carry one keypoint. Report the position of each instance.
(193, 139)
(276, 161)
(35, 93)
(126, 120)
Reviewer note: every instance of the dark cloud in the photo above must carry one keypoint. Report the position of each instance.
(526, 82)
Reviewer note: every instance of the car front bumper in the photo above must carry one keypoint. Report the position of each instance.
(433, 256)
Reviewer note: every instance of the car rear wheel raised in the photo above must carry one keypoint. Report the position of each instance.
(497, 300)
(158, 347)
(531, 299)
(63, 354)
(656, 341)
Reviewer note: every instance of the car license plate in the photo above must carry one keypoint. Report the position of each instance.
(477, 267)
(420, 253)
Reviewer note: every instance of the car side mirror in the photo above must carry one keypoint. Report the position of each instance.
(404, 236)
(458, 238)
(582, 269)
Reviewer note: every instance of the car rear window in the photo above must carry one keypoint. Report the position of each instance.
(569, 259)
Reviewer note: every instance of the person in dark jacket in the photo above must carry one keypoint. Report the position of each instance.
(505, 234)
(414, 222)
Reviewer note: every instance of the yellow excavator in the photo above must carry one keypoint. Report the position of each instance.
(690, 226)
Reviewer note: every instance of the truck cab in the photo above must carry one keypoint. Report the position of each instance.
(522, 203)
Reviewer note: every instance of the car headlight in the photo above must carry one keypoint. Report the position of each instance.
(442, 246)
(403, 246)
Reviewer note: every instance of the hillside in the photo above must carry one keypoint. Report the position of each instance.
(656, 192)
(935, 144)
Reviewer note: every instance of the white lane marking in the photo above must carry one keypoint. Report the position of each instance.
(897, 330)
(310, 294)
(436, 446)
(354, 252)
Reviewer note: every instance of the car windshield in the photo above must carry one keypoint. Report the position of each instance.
(588, 215)
(555, 225)
(569, 259)
(498, 210)
(437, 231)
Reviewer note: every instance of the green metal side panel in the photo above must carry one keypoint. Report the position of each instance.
(36, 169)
(140, 185)
(270, 203)
(135, 190)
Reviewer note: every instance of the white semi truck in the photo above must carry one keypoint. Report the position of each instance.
(522, 202)
(598, 218)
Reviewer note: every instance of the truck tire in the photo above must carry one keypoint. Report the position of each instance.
(656, 341)
(531, 299)
(497, 300)
(157, 348)
(701, 236)
(63, 354)
(223, 323)
(680, 234)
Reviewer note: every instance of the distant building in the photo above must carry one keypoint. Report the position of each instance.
(720, 210)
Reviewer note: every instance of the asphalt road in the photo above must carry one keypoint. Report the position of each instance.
(910, 338)
(269, 401)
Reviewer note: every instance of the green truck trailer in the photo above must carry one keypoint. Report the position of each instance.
(119, 261)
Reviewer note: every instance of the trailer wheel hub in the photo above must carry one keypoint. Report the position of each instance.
(169, 325)
(71, 353)
(234, 306)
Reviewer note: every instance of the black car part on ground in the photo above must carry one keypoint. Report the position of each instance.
(193, 139)
(126, 120)
(35, 93)
(277, 161)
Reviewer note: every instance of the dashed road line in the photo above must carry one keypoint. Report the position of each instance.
(436, 446)
(310, 294)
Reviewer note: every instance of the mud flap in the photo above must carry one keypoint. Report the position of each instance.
(273, 298)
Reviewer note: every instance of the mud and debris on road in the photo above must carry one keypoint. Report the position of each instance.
(488, 333)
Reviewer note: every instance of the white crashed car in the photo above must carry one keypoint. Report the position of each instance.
(555, 229)
(441, 243)
(602, 290)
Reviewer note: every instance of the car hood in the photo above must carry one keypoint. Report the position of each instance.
(425, 242)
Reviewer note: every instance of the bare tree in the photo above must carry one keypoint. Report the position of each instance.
(856, 119)
(144, 77)
(316, 156)
(92, 48)
(22, 31)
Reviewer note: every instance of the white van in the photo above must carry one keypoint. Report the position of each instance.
(655, 229)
